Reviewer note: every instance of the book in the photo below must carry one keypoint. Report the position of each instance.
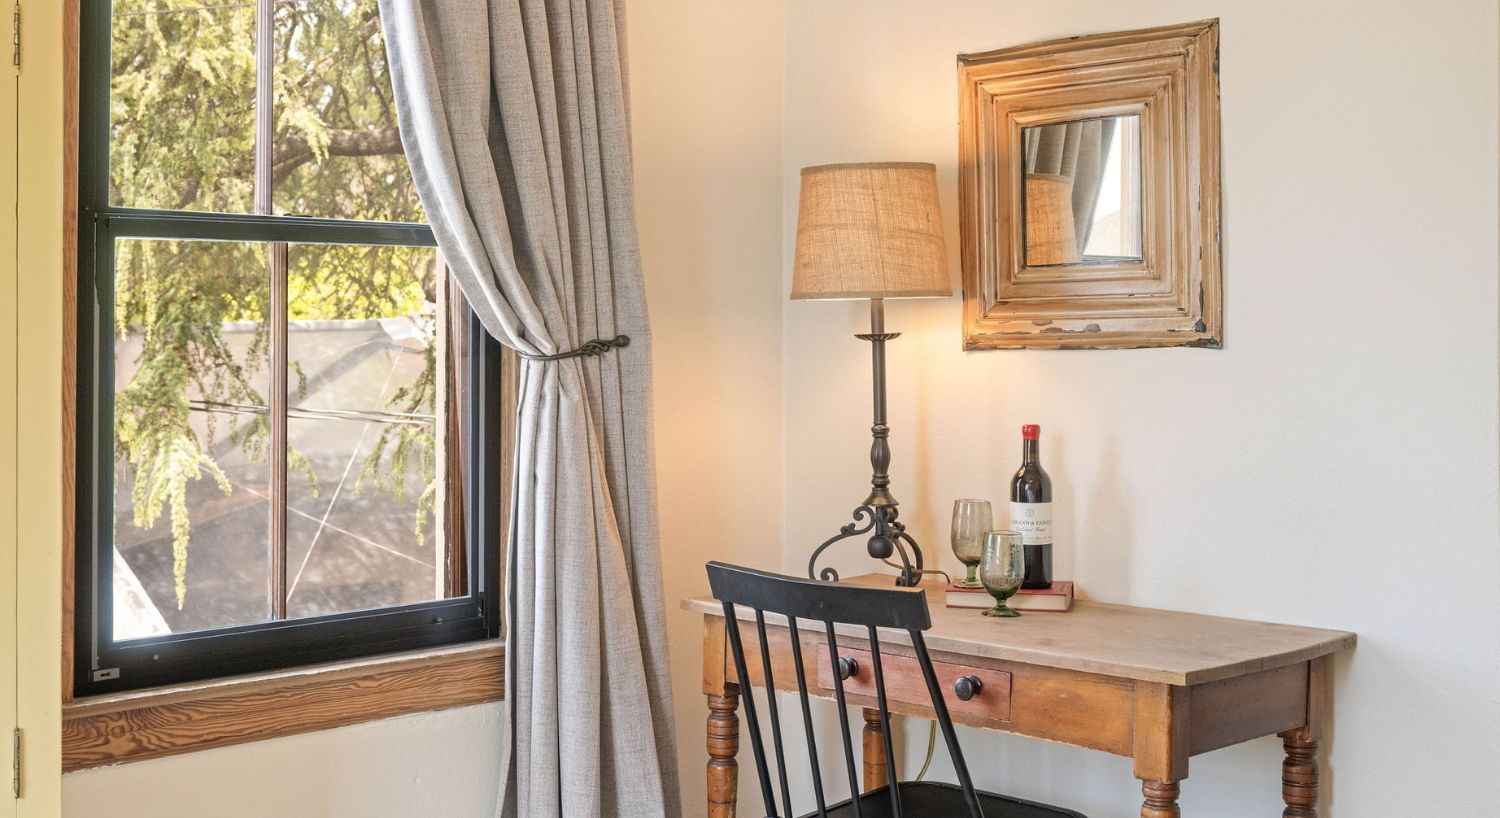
(1057, 599)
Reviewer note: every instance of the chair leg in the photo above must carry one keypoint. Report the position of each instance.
(1161, 799)
(723, 745)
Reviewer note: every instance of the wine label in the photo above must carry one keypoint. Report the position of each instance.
(1033, 521)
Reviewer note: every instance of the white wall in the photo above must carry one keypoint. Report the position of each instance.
(706, 108)
(428, 764)
(1338, 453)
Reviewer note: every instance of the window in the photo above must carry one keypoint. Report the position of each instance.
(288, 421)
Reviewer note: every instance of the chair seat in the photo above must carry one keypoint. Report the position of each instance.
(934, 800)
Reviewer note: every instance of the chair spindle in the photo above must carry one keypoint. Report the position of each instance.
(807, 722)
(893, 785)
(945, 722)
(747, 697)
(843, 707)
(773, 709)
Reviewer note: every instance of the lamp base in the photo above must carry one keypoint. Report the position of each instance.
(887, 537)
(876, 517)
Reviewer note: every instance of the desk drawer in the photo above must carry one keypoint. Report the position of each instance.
(904, 683)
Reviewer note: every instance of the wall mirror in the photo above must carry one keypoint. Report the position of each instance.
(1089, 187)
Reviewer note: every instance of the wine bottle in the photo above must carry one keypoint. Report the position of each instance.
(1031, 510)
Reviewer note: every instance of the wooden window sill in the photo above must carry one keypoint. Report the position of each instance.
(143, 724)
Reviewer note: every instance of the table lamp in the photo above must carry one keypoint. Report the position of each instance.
(872, 231)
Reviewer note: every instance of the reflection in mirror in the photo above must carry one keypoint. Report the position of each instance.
(1083, 191)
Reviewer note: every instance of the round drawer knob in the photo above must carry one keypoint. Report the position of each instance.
(967, 687)
(848, 667)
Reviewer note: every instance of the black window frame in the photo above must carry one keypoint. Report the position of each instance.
(103, 664)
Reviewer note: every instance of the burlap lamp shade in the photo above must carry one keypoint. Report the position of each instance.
(1051, 237)
(870, 230)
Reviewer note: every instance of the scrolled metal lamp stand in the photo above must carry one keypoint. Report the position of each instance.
(877, 516)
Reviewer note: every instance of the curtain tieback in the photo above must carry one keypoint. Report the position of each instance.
(598, 346)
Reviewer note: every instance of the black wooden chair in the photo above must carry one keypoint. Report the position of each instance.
(833, 603)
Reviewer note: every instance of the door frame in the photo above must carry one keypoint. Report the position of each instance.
(41, 271)
(9, 471)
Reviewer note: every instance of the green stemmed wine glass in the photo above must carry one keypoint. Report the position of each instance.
(1002, 567)
(971, 518)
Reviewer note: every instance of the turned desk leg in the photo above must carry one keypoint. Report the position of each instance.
(1161, 746)
(723, 745)
(1299, 774)
(1161, 799)
(874, 741)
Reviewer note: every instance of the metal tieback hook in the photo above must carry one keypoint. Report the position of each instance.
(598, 346)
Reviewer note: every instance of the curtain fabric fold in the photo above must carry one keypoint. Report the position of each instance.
(513, 114)
(1078, 151)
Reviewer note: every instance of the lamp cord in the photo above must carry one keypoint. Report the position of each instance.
(931, 742)
(921, 570)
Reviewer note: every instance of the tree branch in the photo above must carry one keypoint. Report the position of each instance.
(293, 151)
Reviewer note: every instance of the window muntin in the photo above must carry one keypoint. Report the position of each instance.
(311, 366)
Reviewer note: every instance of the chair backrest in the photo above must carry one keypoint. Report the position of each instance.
(830, 604)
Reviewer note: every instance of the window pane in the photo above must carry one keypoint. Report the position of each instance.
(182, 107)
(191, 434)
(337, 152)
(366, 450)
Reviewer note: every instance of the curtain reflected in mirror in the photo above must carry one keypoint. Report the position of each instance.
(1083, 191)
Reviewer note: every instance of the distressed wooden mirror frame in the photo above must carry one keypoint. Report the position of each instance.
(1172, 296)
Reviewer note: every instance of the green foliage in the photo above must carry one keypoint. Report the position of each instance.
(412, 441)
(152, 430)
(182, 107)
(183, 137)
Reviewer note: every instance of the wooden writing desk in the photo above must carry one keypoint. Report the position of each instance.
(1156, 686)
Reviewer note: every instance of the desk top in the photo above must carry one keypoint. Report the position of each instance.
(1144, 644)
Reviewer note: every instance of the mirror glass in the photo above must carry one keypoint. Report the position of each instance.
(1082, 200)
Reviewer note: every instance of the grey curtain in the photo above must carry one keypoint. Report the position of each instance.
(1077, 150)
(513, 115)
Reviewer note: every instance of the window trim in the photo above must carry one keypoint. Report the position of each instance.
(278, 645)
(145, 724)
